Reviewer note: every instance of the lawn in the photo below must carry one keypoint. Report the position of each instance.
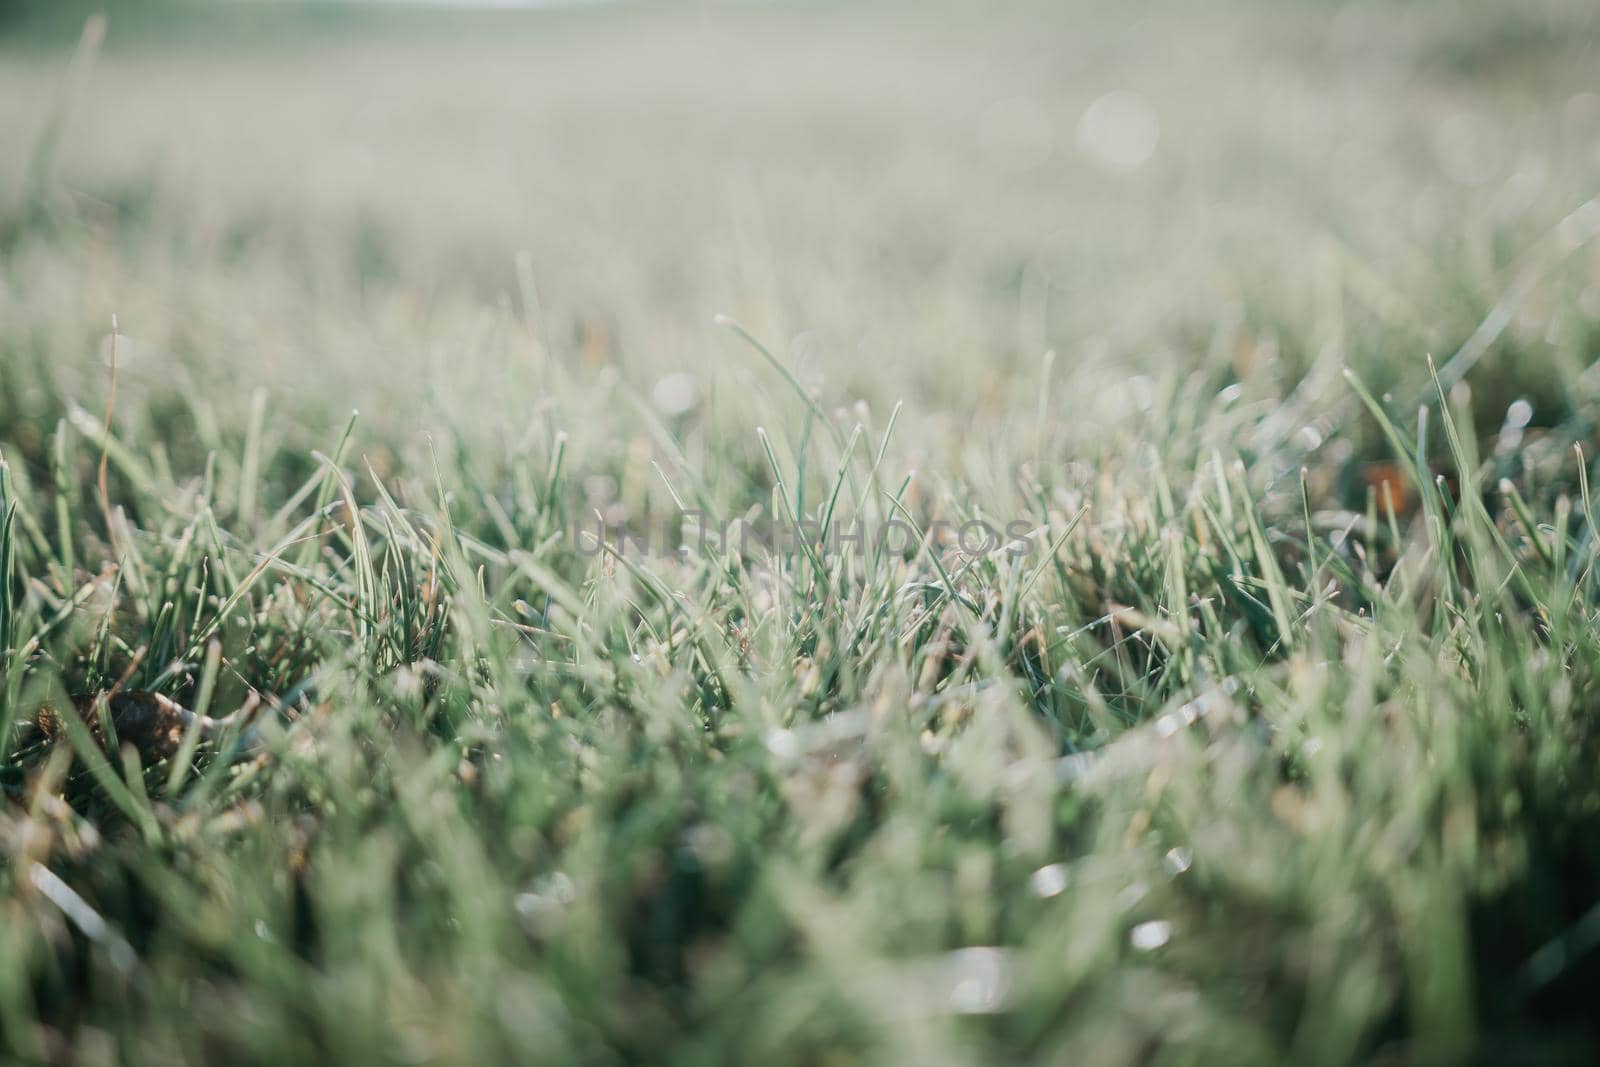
(800, 533)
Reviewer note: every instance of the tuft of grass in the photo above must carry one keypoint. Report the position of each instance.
(1278, 741)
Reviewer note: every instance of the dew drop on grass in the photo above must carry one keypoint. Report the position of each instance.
(675, 393)
(1048, 881)
(1148, 936)
(1119, 131)
(562, 889)
(782, 744)
(980, 980)
(1131, 896)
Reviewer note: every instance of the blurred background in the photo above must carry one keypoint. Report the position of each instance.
(423, 210)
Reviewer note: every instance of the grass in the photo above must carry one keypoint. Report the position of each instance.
(1279, 742)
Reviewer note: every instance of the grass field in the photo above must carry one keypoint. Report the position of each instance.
(1266, 727)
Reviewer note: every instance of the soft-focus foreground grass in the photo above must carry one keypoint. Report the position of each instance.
(1250, 766)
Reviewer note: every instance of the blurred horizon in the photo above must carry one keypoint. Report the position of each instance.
(936, 184)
